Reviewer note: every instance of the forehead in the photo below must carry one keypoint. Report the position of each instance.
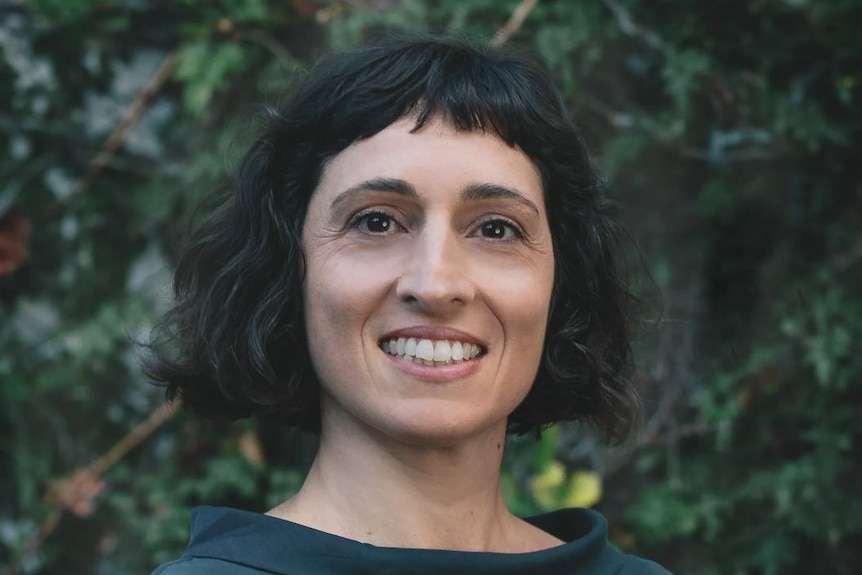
(437, 156)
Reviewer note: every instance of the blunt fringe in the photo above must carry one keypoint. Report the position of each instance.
(234, 344)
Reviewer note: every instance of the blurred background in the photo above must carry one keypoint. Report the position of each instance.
(730, 131)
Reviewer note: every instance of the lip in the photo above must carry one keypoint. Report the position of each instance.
(436, 333)
(439, 374)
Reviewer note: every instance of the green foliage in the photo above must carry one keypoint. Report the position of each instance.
(729, 130)
(777, 478)
(682, 73)
(620, 151)
(64, 10)
(205, 68)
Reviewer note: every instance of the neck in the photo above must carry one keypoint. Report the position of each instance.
(376, 490)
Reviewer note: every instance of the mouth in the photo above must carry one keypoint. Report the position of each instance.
(431, 352)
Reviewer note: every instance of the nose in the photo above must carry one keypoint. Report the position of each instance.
(436, 279)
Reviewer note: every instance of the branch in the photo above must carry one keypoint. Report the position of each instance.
(45, 530)
(628, 26)
(76, 491)
(134, 437)
(669, 136)
(514, 24)
(118, 136)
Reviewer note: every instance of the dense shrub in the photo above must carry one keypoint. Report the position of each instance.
(729, 130)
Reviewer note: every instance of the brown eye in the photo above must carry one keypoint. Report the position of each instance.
(378, 223)
(375, 223)
(498, 229)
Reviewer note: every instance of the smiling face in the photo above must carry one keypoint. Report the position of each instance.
(428, 282)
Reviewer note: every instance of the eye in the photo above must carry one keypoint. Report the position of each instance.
(499, 229)
(375, 222)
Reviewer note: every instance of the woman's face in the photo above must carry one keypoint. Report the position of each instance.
(428, 282)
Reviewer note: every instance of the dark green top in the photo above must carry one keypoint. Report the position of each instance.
(232, 542)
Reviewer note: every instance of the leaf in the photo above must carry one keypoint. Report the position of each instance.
(682, 72)
(543, 454)
(204, 68)
(584, 489)
(250, 448)
(14, 241)
(545, 486)
(620, 151)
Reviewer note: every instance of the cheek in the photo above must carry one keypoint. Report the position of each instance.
(341, 291)
(526, 293)
(522, 306)
(527, 330)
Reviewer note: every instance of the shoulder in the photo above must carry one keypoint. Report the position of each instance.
(585, 533)
(638, 566)
(203, 566)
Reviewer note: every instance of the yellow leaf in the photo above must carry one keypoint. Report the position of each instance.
(552, 475)
(545, 485)
(250, 448)
(583, 490)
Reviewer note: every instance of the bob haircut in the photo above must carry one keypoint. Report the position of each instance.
(235, 344)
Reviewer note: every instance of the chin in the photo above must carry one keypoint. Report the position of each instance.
(439, 430)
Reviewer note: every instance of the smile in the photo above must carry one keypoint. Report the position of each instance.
(430, 352)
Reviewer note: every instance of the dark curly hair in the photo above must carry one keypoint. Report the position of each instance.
(235, 344)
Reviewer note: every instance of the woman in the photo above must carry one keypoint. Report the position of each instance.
(414, 259)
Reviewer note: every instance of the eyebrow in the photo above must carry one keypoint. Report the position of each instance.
(496, 192)
(473, 192)
(391, 185)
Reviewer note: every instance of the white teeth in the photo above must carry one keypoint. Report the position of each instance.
(442, 351)
(457, 351)
(425, 349)
(430, 352)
